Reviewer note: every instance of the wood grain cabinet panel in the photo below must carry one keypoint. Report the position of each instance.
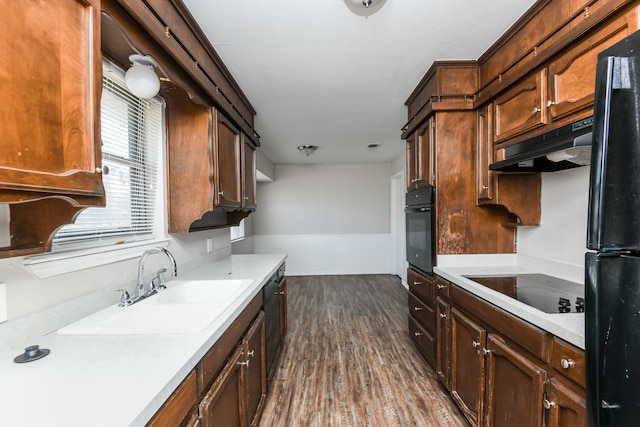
(443, 342)
(565, 407)
(522, 108)
(227, 164)
(179, 405)
(485, 178)
(248, 175)
(514, 387)
(424, 340)
(49, 117)
(224, 404)
(467, 366)
(422, 286)
(572, 75)
(421, 156)
(256, 370)
(569, 361)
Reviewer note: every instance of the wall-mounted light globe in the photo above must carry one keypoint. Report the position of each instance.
(141, 78)
(364, 7)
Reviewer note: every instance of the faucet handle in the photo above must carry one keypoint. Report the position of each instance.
(158, 281)
(125, 299)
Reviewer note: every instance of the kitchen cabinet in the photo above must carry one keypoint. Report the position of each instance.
(228, 385)
(485, 178)
(522, 108)
(206, 152)
(282, 305)
(51, 149)
(468, 339)
(237, 396)
(514, 386)
(422, 313)
(565, 407)
(443, 331)
(572, 74)
(421, 156)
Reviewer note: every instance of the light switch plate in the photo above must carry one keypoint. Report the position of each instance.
(3, 302)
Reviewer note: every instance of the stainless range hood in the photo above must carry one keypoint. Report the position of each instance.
(566, 147)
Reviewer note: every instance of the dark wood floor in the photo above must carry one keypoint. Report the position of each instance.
(348, 361)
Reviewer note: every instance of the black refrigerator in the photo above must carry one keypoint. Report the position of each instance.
(612, 272)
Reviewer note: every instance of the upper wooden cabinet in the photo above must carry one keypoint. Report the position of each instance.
(421, 156)
(485, 178)
(50, 83)
(209, 168)
(522, 107)
(572, 75)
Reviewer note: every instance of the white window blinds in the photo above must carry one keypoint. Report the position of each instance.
(132, 150)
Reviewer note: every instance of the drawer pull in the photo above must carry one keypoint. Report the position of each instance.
(417, 308)
(485, 351)
(443, 316)
(441, 286)
(417, 283)
(548, 404)
(417, 334)
(567, 363)
(535, 110)
(476, 344)
(244, 363)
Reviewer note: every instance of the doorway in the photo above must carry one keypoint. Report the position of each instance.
(398, 264)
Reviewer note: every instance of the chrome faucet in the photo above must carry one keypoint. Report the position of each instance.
(141, 293)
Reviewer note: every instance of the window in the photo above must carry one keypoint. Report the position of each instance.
(132, 141)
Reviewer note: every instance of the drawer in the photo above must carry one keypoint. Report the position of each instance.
(443, 288)
(179, 404)
(422, 286)
(425, 342)
(569, 361)
(423, 313)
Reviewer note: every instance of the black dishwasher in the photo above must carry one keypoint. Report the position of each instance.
(273, 338)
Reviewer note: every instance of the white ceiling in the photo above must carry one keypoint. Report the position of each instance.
(319, 74)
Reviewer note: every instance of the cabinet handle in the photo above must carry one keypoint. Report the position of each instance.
(251, 353)
(104, 170)
(475, 344)
(246, 198)
(485, 187)
(221, 193)
(441, 286)
(485, 351)
(417, 283)
(550, 103)
(413, 181)
(417, 334)
(417, 308)
(536, 110)
(567, 363)
(548, 404)
(244, 363)
(443, 316)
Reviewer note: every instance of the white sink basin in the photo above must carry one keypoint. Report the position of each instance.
(201, 291)
(185, 307)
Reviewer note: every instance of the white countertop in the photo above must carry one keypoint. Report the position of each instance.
(568, 326)
(118, 380)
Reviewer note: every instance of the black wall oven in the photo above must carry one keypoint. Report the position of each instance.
(420, 213)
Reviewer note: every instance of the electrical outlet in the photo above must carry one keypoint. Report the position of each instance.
(3, 302)
(209, 245)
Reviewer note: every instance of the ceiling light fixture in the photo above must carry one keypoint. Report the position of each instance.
(141, 78)
(307, 149)
(364, 7)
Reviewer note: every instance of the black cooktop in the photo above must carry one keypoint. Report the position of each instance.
(546, 293)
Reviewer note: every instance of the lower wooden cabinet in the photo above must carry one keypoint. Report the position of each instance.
(467, 366)
(514, 386)
(228, 386)
(500, 370)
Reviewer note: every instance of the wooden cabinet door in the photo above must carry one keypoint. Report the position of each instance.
(248, 175)
(485, 178)
(50, 86)
(514, 387)
(467, 366)
(565, 407)
(224, 403)
(572, 77)
(426, 154)
(522, 108)
(443, 342)
(256, 369)
(228, 160)
(411, 162)
(190, 163)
